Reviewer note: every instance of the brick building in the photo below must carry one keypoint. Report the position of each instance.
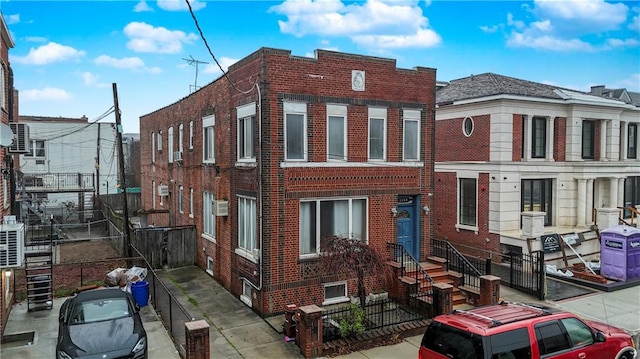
(517, 160)
(283, 151)
(6, 114)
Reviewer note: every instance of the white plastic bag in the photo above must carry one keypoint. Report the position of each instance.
(136, 274)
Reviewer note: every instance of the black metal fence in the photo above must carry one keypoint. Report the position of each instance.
(378, 314)
(470, 268)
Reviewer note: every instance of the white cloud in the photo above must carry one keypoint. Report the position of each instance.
(375, 23)
(146, 38)
(632, 83)
(45, 94)
(623, 43)
(180, 5)
(515, 23)
(49, 53)
(142, 6)
(35, 39)
(489, 29)
(598, 14)
(13, 19)
(543, 26)
(635, 24)
(213, 69)
(550, 43)
(93, 80)
(131, 63)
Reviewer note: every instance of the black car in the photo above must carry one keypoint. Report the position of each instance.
(101, 323)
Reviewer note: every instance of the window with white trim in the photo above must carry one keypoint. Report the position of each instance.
(208, 218)
(181, 199)
(377, 134)
(181, 137)
(208, 139)
(246, 132)
(322, 218)
(247, 230)
(153, 148)
(467, 202)
(191, 134)
(36, 149)
(335, 293)
(245, 297)
(336, 132)
(161, 203)
(160, 141)
(5, 193)
(153, 194)
(191, 202)
(170, 144)
(295, 131)
(411, 135)
(209, 265)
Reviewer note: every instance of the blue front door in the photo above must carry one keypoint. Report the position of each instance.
(407, 229)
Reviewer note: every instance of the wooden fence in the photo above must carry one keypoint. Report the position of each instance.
(166, 246)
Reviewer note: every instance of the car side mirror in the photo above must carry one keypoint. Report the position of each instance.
(600, 337)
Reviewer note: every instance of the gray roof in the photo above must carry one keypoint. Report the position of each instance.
(490, 84)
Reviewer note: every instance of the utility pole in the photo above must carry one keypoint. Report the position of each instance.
(123, 185)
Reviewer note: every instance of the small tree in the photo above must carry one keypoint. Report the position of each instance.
(344, 256)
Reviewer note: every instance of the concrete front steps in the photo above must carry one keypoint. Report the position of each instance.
(435, 267)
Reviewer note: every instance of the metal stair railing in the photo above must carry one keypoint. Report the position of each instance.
(457, 262)
(409, 265)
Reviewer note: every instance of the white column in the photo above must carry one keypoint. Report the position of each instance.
(613, 192)
(550, 134)
(588, 208)
(527, 137)
(581, 204)
(620, 192)
(603, 140)
(623, 141)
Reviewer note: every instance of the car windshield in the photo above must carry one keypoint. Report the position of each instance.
(98, 310)
(452, 342)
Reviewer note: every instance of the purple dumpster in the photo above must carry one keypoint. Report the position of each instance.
(620, 253)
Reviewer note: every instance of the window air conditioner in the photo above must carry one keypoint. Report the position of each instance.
(11, 245)
(21, 141)
(177, 156)
(163, 190)
(220, 208)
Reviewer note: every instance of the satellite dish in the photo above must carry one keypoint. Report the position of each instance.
(6, 135)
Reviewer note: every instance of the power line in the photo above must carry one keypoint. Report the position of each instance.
(195, 20)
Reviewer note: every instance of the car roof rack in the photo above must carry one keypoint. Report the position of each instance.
(532, 312)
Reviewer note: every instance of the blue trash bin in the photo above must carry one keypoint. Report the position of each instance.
(140, 292)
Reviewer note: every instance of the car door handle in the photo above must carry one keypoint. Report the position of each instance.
(582, 355)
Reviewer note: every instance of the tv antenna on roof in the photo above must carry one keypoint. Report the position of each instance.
(193, 62)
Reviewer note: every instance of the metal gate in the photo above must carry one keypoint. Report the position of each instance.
(524, 272)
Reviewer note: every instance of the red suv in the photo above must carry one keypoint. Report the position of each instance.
(520, 331)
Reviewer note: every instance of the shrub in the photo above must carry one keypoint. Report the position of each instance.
(353, 322)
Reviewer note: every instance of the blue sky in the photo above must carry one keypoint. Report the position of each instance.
(68, 53)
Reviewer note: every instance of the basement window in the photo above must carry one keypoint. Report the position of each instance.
(335, 293)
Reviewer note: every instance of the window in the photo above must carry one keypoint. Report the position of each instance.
(208, 139)
(246, 132)
(551, 338)
(160, 141)
(631, 194)
(181, 199)
(511, 344)
(323, 218)
(467, 126)
(335, 293)
(245, 297)
(411, 135)
(36, 149)
(536, 197)
(295, 131)
(180, 137)
(191, 134)
(153, 194)
(247, 224)
(153, 148)
(377, 133)
(336, 132)
(588, 140)
(467, 202)
(191, 202)
(170, 144)
(3, 88)
(538, 137)
(209, 265)
(209, 220)
(161, 204)
(579, 333)
(632, 141)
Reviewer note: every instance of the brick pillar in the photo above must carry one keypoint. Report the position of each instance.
(394, 288)
(442, 298)
(309, 331)
(289, 324)
(197, 340)
(489, 290)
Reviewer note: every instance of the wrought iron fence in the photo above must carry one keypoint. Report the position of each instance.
(377, 314)
(470, 268)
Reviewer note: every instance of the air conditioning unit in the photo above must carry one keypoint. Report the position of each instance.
(21, 141)
(177, 156)
(163, 190)
(11, 245)
(220, 208)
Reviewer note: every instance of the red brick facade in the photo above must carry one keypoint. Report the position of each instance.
(453, 145)
(282, 277)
